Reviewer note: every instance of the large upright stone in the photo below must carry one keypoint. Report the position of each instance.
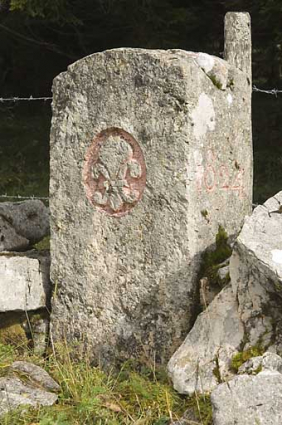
(150, 152)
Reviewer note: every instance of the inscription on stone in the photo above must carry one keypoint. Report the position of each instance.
(114, 173)
(213, 175)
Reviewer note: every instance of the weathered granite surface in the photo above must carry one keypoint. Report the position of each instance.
(149, 154)
(40, 331)
(22, 224)
(15, 393)
(24, 281)
(249, 399)
(256, 275)
(244, 314)
(36, 375)
(9, 238)
(268, 361)
(203, 360)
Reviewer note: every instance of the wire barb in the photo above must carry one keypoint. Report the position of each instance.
(274, 92)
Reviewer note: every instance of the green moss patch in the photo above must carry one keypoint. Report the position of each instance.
(212, 259)
(241, 357)
(43, 245)
(12, 330)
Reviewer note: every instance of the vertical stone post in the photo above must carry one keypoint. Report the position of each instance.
(237, 41)
(150, 152)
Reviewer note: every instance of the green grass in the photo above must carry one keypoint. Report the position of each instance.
(136, 394)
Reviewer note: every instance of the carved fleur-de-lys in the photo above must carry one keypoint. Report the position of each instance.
(114, 165)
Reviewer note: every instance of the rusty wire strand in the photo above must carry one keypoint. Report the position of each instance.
(273, 92)
(43, 198)
(20, 99)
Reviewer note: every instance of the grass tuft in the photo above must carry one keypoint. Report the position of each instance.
(136, 394)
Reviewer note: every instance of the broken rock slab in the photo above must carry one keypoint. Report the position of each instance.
(203, 359)
(25, 283)
(36, 375)
(256, 275)
(22, 224)
(249, 399)
(14, 393)
(268, 361)
(9, 238)
(33, 386)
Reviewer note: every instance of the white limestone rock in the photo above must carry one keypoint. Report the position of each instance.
(206, 352)
(249, 399)
(268, 361)
(24, 281)
(256, 275)
(14, 393)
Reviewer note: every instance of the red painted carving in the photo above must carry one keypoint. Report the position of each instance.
(114, 173)
(210, 178)
(224, 177)
(214, 176)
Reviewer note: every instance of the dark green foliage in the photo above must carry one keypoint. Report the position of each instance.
(71, 29)
(267, 140)
(40, 38)
(24, 151)
(51, 10)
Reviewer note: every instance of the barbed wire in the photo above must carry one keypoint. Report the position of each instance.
(273, 92)
(32, 197)
(20, 99)
(41, 198)
(47, 198)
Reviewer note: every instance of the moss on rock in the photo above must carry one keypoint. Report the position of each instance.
(241, 357)
(213, 259)
(12, 330)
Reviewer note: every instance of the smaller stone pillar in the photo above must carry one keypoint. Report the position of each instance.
(238, 42)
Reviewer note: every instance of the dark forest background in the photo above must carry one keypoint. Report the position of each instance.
(40, 38)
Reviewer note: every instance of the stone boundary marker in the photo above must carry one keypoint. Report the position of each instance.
(150, 151)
